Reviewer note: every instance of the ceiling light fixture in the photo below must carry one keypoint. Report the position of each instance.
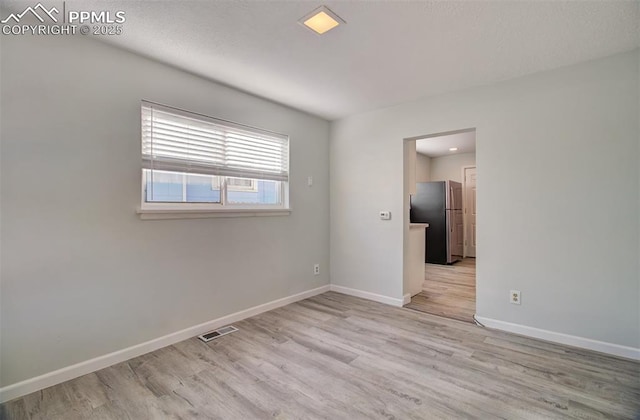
(453, 149)
(321, 20)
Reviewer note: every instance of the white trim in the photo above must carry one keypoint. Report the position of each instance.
(561, 338)
(37, 383)
(406, 299)
(464, 208)
(367, 295)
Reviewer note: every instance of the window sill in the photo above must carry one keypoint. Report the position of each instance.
(167, 214)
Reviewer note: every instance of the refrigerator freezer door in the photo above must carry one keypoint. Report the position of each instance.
(454, 195)
(428, 201)
(457, 196)
(455, 237)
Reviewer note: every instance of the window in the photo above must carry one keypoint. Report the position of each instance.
(191, 161)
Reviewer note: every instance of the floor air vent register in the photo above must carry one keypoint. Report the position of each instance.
(212, 335)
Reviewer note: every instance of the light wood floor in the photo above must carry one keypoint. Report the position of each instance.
(338, 357)
(448, 290)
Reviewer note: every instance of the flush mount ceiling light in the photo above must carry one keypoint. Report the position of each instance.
(453, 149)
(321, 20)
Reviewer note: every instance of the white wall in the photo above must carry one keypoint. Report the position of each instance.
(423, 168)
(445, 168)
(82, 275)
(558, 201)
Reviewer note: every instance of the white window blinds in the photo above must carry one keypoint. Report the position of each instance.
(176, 140)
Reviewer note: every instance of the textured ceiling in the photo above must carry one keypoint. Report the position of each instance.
(388, 52)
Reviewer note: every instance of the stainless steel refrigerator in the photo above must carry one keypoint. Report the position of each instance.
(440, 205)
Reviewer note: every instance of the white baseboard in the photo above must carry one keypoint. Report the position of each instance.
(37, 383)
(561, 338)
(367, 295)
(406, 299)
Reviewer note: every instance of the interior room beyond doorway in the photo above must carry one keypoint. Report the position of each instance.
(444, 198)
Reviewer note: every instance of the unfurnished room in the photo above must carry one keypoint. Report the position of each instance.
(319, 210)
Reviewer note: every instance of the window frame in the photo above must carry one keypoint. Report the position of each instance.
(211, 206)
(175, 210)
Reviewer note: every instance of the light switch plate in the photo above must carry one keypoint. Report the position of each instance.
(385, 215)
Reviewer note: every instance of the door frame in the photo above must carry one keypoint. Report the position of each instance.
(464, 206)
(406, 201)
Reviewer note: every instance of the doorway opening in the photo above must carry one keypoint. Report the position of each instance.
(441, 176)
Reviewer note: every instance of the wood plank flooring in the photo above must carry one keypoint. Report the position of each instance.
(339, 357)
(448, 290)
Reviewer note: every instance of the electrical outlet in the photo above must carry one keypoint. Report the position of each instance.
(514, 297)
(316, 269)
